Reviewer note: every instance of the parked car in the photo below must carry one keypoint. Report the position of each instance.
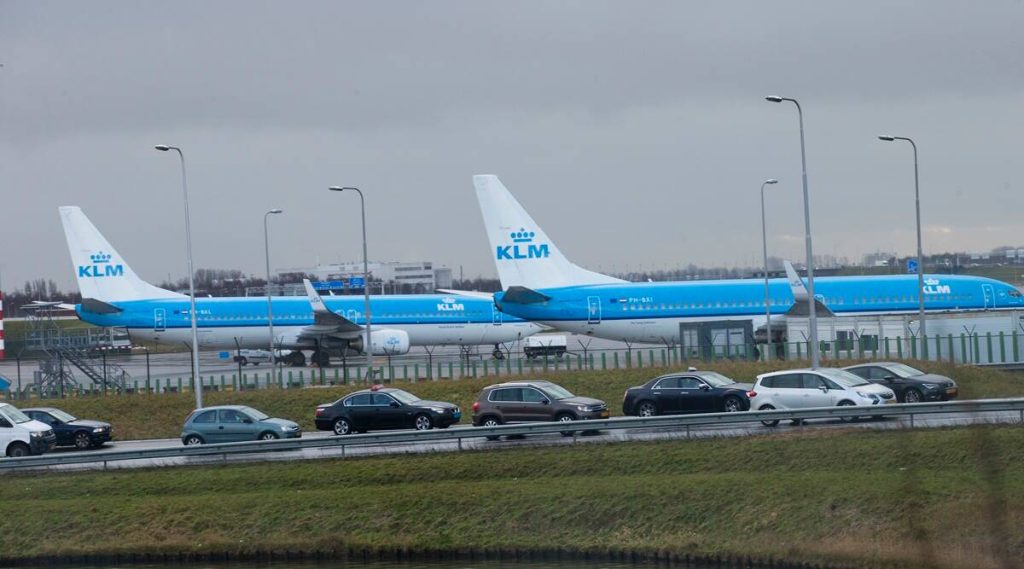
(525, 401)
(20, 435)
(822, 387)
(686, 392)
(71, 431)
(910, 384)
(384, 408)
(235, 423)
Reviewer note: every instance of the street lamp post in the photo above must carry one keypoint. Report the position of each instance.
(920, 256)
(196, 379)
(270, 307)
(367, 346)
(813, 320)
(764, 245)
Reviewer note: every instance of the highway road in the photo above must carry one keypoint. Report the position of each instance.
(479, 443)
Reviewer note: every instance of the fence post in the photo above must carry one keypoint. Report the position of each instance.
(988, 345)
(964, 358)
(1002, 347)
(938, 348)
(799, 351)
(615, 359)
(952, 354)
(451, 370)
(650, 358)
(977, 348)
(899, 347)
(1016, 350)
(886, 347)
(640, 359)
(604, 361)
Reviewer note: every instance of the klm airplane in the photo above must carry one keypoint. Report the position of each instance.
(113, 295)
(539, 284)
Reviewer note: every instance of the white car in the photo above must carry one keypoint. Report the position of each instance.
(21, 436)
(822, 387)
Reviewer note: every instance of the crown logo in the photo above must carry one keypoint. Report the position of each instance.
(448, 300)
(100, 257)
(522, 236)
(931, 281)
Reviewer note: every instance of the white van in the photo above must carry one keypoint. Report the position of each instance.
(21, 436)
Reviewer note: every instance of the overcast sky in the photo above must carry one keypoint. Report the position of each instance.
(636, 133)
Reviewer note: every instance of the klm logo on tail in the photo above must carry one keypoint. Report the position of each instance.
(100, 267)
(522, 247)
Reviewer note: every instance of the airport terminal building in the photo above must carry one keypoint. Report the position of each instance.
(393, 276)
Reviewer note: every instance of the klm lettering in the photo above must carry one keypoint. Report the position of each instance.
(100, 271)
(451, 307)
(531, 251)
(937, 289)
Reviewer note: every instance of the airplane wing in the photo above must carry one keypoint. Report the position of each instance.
(325, 322)
(469, 293)
(795, 282)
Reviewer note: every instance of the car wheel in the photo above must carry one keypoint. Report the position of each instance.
(847, 419)
(268, 436)
(732, 404)
(772, 422)
(912, 396)
(242, 360)
(566, 418)
(193, 440)
(82, 440)
(17, 449)
(342, 427)
(647, 409)
(423, 423)
(491, 422)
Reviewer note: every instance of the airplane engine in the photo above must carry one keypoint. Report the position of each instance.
(389, 342)
(384, 342)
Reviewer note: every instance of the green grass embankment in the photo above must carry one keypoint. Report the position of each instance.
(851, 498)
(161, 416)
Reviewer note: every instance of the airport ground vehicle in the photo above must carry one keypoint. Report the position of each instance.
(820, 387)
(384, 408)
(21, 435)
(545, 345)
(910, 384)
(686, 392)
(235, 423)
(253, 356)
(524, 401)
(70, 430)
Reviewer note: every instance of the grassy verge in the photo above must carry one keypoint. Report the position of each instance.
(161, 416)
(955, 497)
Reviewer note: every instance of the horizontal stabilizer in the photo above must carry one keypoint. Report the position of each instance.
(523, 295)
(99, 307)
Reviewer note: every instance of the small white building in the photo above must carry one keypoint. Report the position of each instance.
(991, 336)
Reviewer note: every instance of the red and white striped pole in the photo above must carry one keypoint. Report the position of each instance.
(1, 325)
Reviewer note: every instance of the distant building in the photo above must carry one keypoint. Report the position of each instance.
(392, 276)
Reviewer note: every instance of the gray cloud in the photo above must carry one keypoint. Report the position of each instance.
(636, 133)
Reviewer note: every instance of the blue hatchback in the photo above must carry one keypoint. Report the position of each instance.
(235, 423)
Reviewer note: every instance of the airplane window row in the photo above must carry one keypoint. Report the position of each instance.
(779, 302)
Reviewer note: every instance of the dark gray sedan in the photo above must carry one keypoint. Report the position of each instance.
(910, 384)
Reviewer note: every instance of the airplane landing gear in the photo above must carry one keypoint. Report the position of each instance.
(321, 358)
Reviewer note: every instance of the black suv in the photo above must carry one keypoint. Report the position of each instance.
(384, 408)
(71, 431)
(686, 392)
(910, 384)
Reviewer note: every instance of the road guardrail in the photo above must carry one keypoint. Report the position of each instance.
(971, 407)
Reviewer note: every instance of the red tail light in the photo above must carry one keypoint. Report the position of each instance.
(319, 411)
(476, 406)
(751, 394)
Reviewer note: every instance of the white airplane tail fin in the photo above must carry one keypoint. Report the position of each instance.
(101, 272)
(796, 284)
(523, 253)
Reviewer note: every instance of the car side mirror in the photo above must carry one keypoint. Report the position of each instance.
(247, 421)
(823, 388)
(545, 402)
(704, 387)
(394, 404)
(889, 378)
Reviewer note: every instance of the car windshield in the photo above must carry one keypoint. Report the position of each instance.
(715, 379)
(257, 415)
(62, 416)
(843, 378)
(557, 391)
(404, 396)
(904, 370)
(16, 415)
